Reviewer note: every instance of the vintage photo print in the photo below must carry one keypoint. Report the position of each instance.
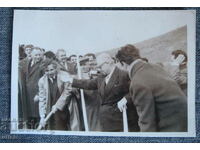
(104, 73)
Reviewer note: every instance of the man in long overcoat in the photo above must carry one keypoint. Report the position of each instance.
(160, 103)
(30, 73)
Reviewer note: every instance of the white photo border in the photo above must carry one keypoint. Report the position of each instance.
(191, 50)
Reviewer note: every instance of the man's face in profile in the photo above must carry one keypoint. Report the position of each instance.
(104, 67)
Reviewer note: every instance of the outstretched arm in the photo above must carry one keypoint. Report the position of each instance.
(90, 84)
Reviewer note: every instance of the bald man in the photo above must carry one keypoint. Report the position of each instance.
(111, 87)
(64, 65)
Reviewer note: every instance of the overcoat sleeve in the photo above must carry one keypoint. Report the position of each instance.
(90, 84)
(145, 106)
(42, 99)
(65, 96)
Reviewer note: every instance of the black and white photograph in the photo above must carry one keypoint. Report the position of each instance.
(104, 72)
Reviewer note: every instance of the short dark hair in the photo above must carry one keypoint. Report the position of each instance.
(128, 54)
(50, 62)
(42, 49)
(178, 52)
(145, 59)
(91, 54)
(50, 55)
(71, 56)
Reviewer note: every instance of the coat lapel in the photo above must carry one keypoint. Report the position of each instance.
(112, 81)
(59, 83)
(27, 64)
(136, 67)
(102, 88)
(34, 68)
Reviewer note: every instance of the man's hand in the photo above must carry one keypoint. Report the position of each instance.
(54, 108)
(42, 122)
(36, 98)
(179, 59)
(68, 86)
(122, 104)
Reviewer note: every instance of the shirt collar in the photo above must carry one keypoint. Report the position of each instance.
(54, 77)
(132, 65)
(111, 72)
(109, 75)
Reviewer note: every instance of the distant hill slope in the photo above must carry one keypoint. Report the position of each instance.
(158, 49)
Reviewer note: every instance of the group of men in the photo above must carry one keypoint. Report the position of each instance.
(150, 94)
(40, 87)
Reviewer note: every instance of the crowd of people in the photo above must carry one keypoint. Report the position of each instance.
(153, 95)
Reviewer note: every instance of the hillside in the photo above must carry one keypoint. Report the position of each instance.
(158, 49)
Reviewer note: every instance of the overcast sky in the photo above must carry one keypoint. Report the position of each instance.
(92, 31)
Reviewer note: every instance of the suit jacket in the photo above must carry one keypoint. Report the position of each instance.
(160, 103)
(31, 76)
(109, 95)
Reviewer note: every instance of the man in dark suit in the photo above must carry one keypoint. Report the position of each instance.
(111, 87)
(160, 103)
(31, 71)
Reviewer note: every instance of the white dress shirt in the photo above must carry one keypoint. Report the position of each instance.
(109, 75)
